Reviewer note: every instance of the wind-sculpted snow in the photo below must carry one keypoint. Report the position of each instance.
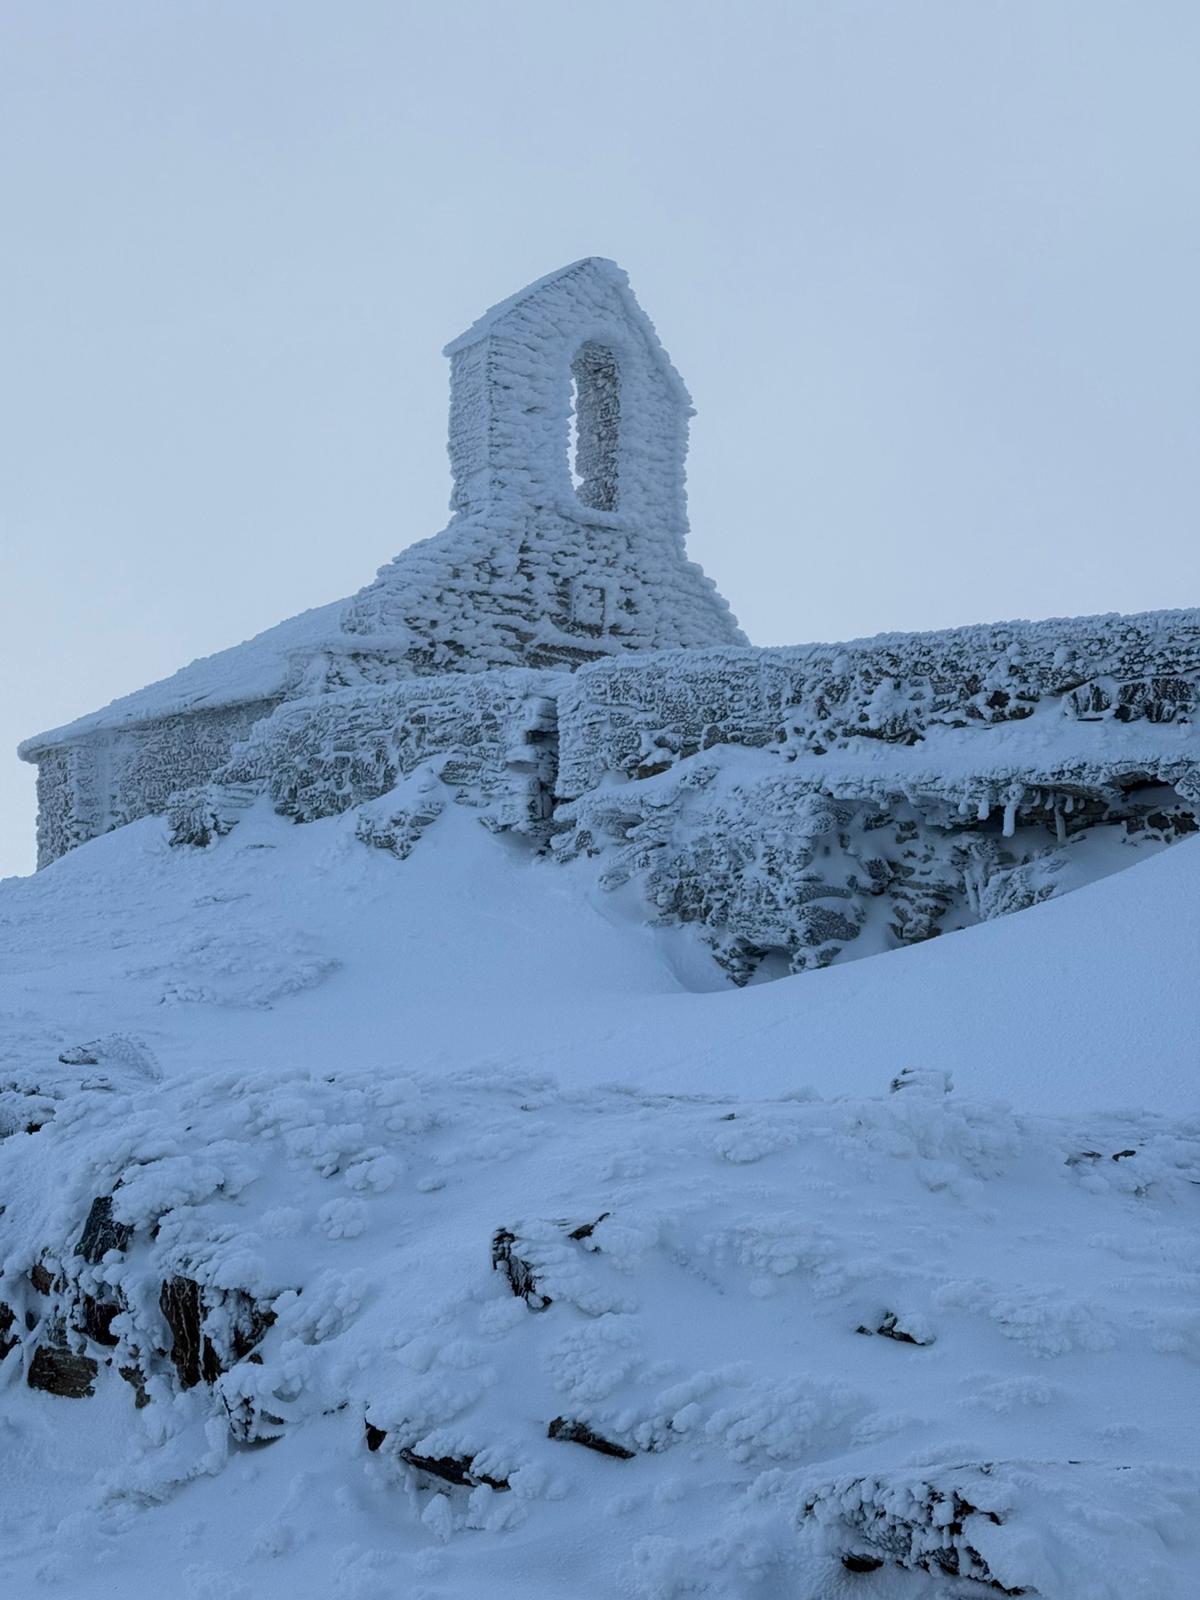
(1017, 1527)
(382, 1221)
(699, 1372)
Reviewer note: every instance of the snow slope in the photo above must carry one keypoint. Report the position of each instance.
(326, 1078)
(295, 944)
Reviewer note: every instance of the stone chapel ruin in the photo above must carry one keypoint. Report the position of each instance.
(554, 660)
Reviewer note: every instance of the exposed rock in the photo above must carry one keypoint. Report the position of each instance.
(25, 1105)
(249, 1321)
(586, 1229)
(102, 1233)
(97, 1317)
(854, 1563)
(134, 1376)
(890, 1329)
(375, 1436)
(56, 1369)
(8, 1339)
(1080, 1156)
(518, 1271)
(41, 1278)
(192, 1353)
(911, 1520)
(82, 1055)
(574, 1432)
(458, 1470)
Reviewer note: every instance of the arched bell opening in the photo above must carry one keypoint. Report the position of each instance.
(595, 426)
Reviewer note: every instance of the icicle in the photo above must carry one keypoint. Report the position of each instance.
(1015, 793)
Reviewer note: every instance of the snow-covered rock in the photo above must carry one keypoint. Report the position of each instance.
(493, 1254)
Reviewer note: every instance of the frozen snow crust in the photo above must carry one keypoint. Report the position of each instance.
(589, 1284)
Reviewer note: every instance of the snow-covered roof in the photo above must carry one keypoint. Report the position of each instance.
(599, 267)
(258, 669)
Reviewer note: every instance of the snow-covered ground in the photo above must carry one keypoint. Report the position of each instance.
(326, 1078)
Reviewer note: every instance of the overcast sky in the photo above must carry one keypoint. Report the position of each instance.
(930, 270)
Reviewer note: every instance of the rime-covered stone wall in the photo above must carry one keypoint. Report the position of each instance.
(112, 776)
(488, 739)
(801, 804)
(59, 827)
(554, 557)
(903, 691)
(535, 571)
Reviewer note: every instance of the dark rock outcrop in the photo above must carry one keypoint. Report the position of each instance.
(191, 1352)
(573, 1431)
(102, 1233)
(890, 1328)
(933, 1531)
(518, 1271)
(57, 1369)
(8, 1339)
(458, 1470)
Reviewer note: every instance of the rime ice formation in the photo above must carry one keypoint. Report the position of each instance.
(534, 570)
(553, 661)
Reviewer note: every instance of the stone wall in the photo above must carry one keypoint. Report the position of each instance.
(798, 805)
(638, 717)
(533, 571)
(490, 737)
(1033, 730)
(112, 777)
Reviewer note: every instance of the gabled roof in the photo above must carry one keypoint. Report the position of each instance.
(607, 272)
(259, 669)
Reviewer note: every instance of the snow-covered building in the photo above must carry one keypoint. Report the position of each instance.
(553, 660)
(568, 438)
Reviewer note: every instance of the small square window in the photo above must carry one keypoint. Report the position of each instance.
(588, 603)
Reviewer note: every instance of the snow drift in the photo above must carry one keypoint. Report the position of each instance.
(879, 1280)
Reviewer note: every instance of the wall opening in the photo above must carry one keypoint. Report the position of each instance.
(595, 426)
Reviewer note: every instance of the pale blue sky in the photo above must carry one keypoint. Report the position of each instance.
(928, 268)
